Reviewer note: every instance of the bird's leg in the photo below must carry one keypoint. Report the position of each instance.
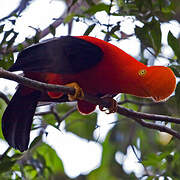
(112, 105)
(79, 94)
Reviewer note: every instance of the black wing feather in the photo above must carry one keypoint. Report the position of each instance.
(62, 55)
(17, 119)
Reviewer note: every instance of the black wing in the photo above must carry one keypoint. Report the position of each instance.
(62, 55)
(17, 119)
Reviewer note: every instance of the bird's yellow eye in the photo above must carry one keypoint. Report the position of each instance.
(142, 72)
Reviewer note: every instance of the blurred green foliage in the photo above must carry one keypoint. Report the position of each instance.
(158, 157)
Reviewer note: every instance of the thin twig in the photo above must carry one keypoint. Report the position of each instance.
(67, 114)
(161, 128)
(55, 113)
(159, 55)
(42, 113)
(106, 38)
(140, 103)
(155, 117)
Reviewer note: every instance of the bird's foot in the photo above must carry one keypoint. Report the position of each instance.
(113, 106)
(79, 94)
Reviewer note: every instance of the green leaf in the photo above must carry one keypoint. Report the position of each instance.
(20, 47)
(120, 134)
(104, 171)
(50, 119)
(83, 126)
(6, 163)
(1, 28)
(108, 151)
(50, 158)
(150, 178)
(35, 141)
(176, 69)
(97, 8)
(155, 33)
(139, 4)
(150, 35)
(2, 109)
(69, 18)
(7, 60)
(89, 29)
(130, 105)
(142, 34)
(41, 159)
(175, 45)
(177, 94)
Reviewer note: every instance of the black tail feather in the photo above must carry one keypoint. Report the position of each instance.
(17, 118)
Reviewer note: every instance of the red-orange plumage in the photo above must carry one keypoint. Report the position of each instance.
(97, 66)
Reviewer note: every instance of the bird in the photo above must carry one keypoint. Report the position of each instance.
(88, 64)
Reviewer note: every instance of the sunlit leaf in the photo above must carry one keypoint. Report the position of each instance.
(69, 18)
(175, 44)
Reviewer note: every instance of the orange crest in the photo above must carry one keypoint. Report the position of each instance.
(160, 82)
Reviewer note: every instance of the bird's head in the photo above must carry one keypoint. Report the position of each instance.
(158, 82)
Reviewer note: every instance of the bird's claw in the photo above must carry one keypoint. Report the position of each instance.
(78, 95)
(112, 105)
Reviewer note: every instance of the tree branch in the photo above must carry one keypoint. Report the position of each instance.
(68, 113)
(157, 127)
(140, 103)
(137, 116)
(155, 117)
(41, 34)
(44, 87)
